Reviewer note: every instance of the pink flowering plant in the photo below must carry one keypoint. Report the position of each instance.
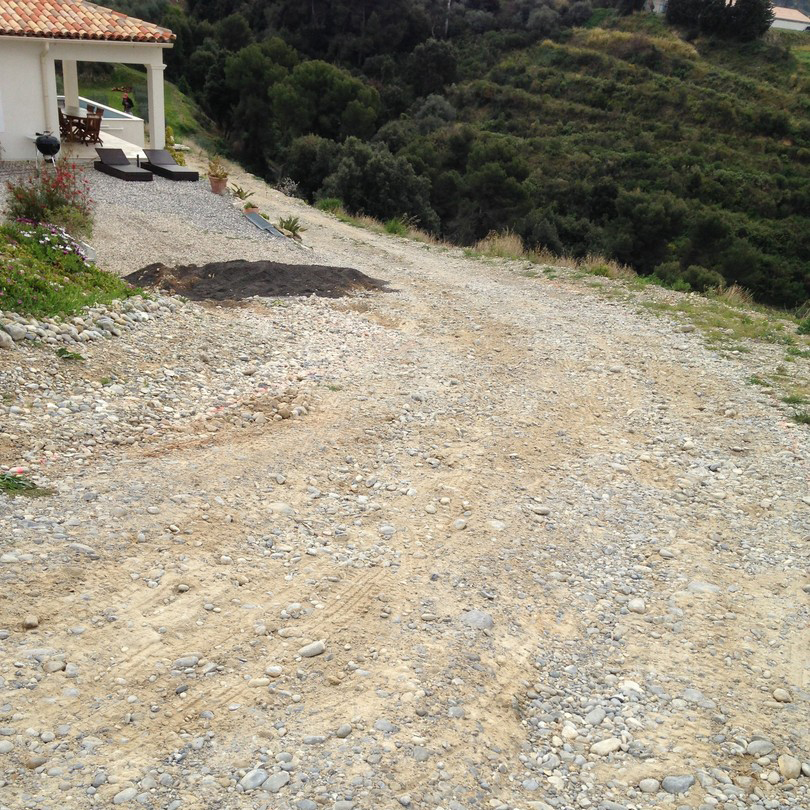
(43, 271)
(57, 195)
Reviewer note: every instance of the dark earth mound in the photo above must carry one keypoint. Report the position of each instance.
(223, 281)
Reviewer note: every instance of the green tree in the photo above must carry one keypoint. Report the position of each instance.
(233, 32)
(309, 160)
(644, 227)
(369, 179)
(325, 100)
(749, 19)
(431, 67)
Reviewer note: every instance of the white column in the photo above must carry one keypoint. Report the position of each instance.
(49, 91)
(157, 115)
(70, 77)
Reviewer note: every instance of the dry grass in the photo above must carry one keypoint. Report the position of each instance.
(545, 257)
(419, 235)
(502, 245)
(620, 43)
(608, 268)
(734, 296)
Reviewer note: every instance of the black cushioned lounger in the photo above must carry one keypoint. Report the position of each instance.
(114, 162)
(162, 163)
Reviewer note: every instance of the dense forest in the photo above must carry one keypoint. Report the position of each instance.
(681, 149)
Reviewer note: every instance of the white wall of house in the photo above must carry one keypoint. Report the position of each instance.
(28, 85)
(21, 97)
(789, 25)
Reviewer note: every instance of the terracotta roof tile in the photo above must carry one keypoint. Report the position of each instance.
(75, 19)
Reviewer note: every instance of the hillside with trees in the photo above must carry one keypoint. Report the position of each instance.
(679, 147)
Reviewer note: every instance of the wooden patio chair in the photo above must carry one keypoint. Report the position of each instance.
(65, 126)
(92, 129)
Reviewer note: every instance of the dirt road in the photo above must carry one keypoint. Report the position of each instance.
(555, 551)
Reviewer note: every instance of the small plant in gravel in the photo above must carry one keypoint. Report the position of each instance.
(43, 271)
(65, 354)
(794, 399)
(58, 195)
(14, 483)
(291, 225)
(241, 193)
(801, 417)
(804, 326)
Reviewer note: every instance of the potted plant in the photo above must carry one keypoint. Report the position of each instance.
(217, 175)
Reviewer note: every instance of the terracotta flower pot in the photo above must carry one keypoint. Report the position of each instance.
(218, 184)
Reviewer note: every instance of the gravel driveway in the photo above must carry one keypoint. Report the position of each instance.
(481, 541)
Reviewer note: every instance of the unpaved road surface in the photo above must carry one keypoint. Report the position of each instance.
(555, 551)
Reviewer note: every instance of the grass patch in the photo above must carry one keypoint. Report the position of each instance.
(44, 272)
(794, 399)
(756, 380)
(725, 324)
(14, 484)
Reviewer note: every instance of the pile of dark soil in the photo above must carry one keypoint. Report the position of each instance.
(235, 280)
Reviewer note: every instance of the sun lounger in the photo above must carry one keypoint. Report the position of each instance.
(162, 163)
(114, 162)
(261, 223)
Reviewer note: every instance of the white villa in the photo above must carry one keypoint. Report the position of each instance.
(787, 18)
(790, 19)
(39, 38)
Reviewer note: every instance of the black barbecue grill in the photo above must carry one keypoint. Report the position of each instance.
(47, 145)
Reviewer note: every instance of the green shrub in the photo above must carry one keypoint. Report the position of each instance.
(57, 195)
(372, 181)
(171, 148)
(804, 326)
(701, 279)
(44, 272)
(667, 273)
